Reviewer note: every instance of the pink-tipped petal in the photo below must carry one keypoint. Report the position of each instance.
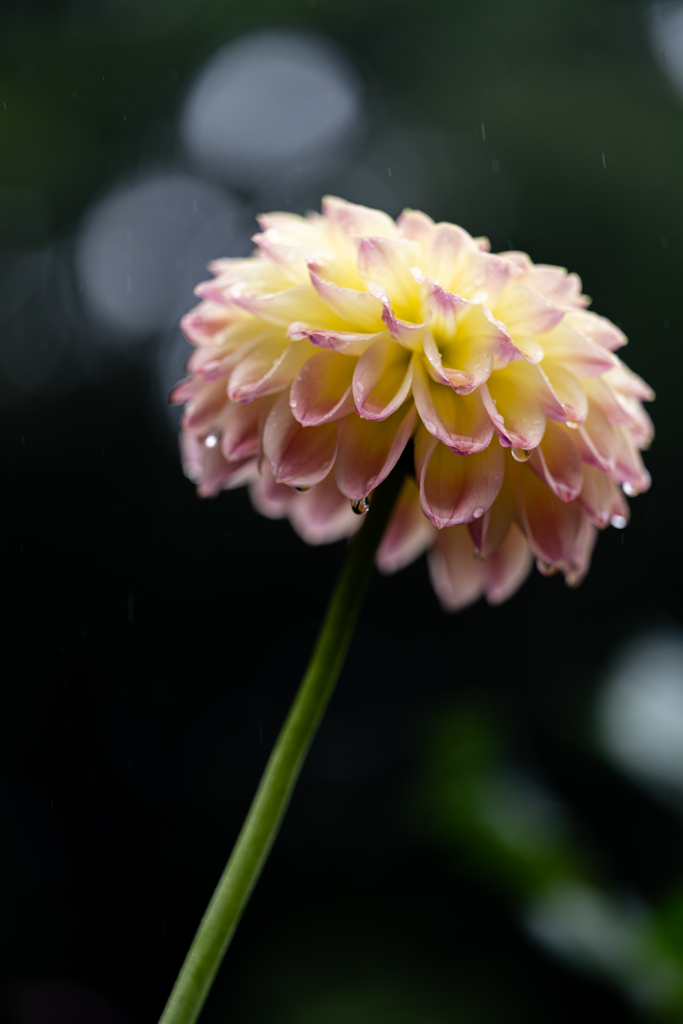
(568, 392)
(219, 475)
(456, 576)
(482, 276)
(629, 469)
(298, 456)
(626, 382)
(490, 530)
(602, 500)
(382, 379)
(270, 498)
(445, 253)
(357, 221)
(456, 489)
(321, 391)
(597, 328)
(239, 429)
(596, 440)
(459, 421)
(551, 526)
(416, 226)
(408, 534)
(323, 515)
(577, 353)
(579, 559)
(267, 368)
(407, 334)
(557, 462)
(506, 569)
(203, 410)
(369, 450)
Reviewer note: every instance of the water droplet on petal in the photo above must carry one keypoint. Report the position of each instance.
(303, 490)
(521, 454)
(361, 506)
(572, 425)
(478, 512)
(211, 441)
(619, 522)
(628, 489)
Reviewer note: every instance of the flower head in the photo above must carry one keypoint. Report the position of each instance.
(348, 334)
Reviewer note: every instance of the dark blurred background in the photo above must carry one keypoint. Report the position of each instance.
(490, 824)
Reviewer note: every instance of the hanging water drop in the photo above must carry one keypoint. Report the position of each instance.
(628, 489)
(619, 522)
(361, 506)
(521, 454)
(303, 490)
(572, 425)
(478, 512)
(211, 441)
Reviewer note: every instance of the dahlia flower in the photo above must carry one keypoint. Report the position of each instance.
(348, 335)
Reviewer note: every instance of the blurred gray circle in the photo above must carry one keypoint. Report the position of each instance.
(143, 248)
(269, 103)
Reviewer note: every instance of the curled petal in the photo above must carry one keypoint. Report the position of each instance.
(292, 229)
(566, 390)
(639, 423)
(407, 334)
(482, 276)
(455, 489)
(382, 379)
(298, 456)
(323, 515)
(601, 394)
(466, 361)
(557, 462)
(511, 400)
(602, 500)
(267, 367)
(321, 391)
(408, 534)
(385, 263)
(551, 526)
(369, 450)
(292, 260)
(361, 309)
(352, 344)
(459, 421)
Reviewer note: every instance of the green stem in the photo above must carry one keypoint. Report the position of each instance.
(282, 771)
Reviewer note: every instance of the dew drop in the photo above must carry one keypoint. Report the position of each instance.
(478, 512)
(521, 454)
(303, 490)
(572, 425)
(619, 522)
(361, 506)
(628, 489)
(211, 441)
